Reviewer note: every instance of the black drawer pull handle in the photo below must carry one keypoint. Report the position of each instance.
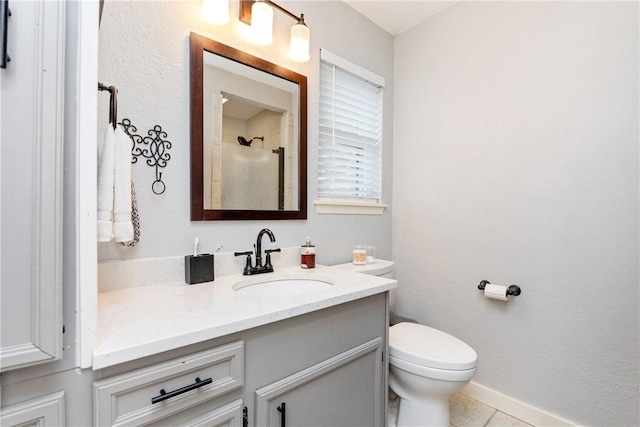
(164, 395)
(282, 409)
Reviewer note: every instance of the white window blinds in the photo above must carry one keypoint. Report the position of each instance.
(350, 140)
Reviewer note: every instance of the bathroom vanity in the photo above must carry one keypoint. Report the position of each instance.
(313, 357)
(327, 367)
(229, 352)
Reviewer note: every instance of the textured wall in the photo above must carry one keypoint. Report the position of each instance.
(516, 161)
(144, 51)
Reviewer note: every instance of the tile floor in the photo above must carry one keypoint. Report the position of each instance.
(468, 412)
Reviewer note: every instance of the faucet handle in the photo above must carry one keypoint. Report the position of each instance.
(267, 263)
(247, 266)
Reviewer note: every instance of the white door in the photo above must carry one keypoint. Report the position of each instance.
(31, 140)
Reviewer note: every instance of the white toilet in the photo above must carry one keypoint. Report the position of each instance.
(426, 366)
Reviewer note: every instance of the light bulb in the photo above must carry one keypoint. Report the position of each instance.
(262, 23)
(215, 12)
(299, 43)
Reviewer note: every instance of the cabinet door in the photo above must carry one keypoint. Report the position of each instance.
(345, 390)
(46, 411)
(31, 136)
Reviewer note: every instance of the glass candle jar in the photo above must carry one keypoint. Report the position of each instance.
(359, 255)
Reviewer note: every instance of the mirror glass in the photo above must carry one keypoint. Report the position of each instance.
(248, 136)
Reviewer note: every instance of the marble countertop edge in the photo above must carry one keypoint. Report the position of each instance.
(175, 315)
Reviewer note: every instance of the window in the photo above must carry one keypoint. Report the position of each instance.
(350, 140)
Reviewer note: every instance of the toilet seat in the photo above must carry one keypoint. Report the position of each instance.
(425, 347)
(434, 373)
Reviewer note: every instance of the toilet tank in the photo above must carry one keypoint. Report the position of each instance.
(380, 268)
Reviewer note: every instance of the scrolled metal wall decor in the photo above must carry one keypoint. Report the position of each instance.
(153, 147)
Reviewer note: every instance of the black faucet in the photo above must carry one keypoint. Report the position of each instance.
(259, 268)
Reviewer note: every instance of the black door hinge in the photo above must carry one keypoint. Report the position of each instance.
(5, 13)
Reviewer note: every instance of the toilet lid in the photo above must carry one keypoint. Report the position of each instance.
(430, 347)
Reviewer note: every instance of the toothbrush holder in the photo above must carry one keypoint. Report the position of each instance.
(198, 269)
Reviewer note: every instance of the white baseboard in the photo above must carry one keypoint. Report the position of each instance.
(520, 410)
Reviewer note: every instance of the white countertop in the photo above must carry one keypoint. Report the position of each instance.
(142, 321)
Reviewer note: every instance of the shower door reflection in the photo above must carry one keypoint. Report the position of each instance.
(249, 126)
(252, 178)
(247, 167)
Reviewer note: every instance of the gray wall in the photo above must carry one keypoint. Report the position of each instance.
(516, 161)
(144, 51)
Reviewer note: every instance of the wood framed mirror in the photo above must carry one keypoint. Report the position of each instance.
(248, 136)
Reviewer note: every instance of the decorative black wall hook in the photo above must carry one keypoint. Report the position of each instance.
(153, 147)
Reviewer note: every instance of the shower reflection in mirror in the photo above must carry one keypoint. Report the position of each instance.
(249, 146)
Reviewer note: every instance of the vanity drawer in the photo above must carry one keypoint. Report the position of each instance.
(127, 399)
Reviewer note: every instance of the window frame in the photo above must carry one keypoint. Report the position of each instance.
(328, 204)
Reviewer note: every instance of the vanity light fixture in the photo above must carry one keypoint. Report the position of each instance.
(215, 11)
(262, 23)
(299, 43)
(259, 14)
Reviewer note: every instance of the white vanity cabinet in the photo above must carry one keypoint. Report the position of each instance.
(328, 367)
(173, 389)
(345, 390)
(31, 128)
(45, 410)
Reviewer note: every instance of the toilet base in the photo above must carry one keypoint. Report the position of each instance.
(392, 412)
(430, 411)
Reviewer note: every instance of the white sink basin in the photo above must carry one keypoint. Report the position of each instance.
(283, 284)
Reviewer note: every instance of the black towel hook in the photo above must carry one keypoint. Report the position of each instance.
(113, 103)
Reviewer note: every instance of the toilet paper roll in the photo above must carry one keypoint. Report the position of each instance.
(496, 292)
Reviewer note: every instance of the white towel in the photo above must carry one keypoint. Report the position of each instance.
(114, 186)
(122, 225)
(106, 146)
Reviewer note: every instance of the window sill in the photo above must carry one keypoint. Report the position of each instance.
(349, 208)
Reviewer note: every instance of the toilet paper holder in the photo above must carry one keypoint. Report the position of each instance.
(511, 290)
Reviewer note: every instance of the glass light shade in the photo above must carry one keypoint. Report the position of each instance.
(262, 23)
(215, 12)
(299, 43)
